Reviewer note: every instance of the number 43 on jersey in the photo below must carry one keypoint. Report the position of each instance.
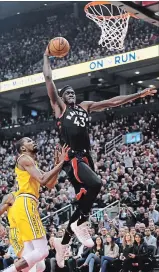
(80, 121)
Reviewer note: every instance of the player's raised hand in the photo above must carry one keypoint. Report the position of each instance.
(148, 91)
(47, 51)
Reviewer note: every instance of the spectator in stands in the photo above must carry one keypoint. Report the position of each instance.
(155, 204)
(150, 240)
(140, 215)
(126, 199)
(132, 231)
(127, 248)
(104, 233)
(148, 185)
(137, 227)
(10, 256)
(140, 252)
(144, 202)
(106, 222)
(156, 186)
(153, 214)
(111, 252)
(142, 228)
(78, 260)
(123, 215)
(152, 228)
(157, 238)
(94, 257)
(139, 185)
(145, 220)
(119, 240)
(131, 218)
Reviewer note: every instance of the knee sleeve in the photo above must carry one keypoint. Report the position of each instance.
(39, 253)
(40, 267)
(35, 256)
(42, 247)
(28, 247)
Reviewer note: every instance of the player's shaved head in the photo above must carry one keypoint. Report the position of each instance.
(26, 144)
(20, 144)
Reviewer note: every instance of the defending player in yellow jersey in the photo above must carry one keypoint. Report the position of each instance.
(26, 216)
(14, 234)
(26, 204)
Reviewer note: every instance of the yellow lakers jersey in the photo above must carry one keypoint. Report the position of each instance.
(26, 183)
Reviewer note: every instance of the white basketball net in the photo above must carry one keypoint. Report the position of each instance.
(114, 25)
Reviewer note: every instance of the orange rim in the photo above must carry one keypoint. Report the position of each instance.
(96, 3)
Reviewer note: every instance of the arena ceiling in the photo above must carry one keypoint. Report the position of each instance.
(9, 8)
(146, 10)
(143, 9)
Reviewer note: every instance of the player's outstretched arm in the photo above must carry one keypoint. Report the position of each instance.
(43, 178)
(58, 157)
(116, 101)
(56, 102)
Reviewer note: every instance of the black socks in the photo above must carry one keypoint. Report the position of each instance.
(83, 218)
(67, 237)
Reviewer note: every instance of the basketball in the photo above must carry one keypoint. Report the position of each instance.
(59, 47)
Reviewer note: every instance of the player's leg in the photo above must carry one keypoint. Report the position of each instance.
(28, 247)
(93, 185)
(21, 248)
(40, 266)
(39, 253)
(87, 178)
(80, 216)
(62, 246)
(31, 230)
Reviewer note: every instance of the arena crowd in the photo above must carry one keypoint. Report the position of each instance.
(129, 174)
(22, 48)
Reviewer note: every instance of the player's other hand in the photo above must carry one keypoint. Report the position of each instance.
(148, 91)
(57, 155)
(64, 151)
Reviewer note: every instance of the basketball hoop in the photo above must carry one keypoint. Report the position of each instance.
(113, 22)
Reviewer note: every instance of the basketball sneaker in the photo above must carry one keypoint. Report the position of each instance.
(82, 234)
(60, 252)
